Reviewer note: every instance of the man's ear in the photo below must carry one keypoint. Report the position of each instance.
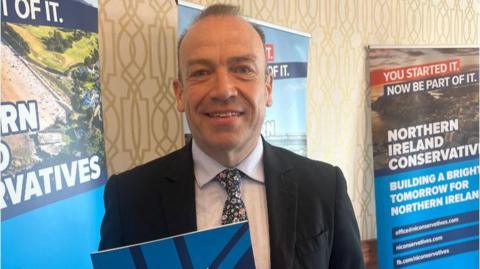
(178, 90)
(269, 88)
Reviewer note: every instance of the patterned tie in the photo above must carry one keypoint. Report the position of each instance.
(234, 208)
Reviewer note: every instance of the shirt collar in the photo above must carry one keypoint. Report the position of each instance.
(206, 168)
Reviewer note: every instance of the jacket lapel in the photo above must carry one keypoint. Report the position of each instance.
(180, 213)
(178, 201)
(282, 207)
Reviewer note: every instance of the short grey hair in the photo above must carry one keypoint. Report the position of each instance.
(217, 10)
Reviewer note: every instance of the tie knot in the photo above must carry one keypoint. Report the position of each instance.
(230, 180)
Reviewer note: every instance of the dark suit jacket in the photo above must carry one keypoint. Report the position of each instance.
(310, 216)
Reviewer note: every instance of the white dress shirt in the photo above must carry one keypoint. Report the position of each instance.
(210, 197)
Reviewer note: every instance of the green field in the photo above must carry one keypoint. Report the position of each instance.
(61, 62)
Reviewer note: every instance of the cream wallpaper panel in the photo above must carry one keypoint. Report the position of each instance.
(138, 65)
(137, 48)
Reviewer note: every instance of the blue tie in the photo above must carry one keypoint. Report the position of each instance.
(234, 208)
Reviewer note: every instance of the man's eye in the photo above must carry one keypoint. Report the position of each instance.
(243, 70)
(199, 73)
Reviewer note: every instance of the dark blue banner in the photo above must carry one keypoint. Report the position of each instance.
(430, 84)
(50, 182)
(52, 157)
(425, 256)
(437, 238)
(288, 70)
(426, 156)
(435, 224)
(66, 14)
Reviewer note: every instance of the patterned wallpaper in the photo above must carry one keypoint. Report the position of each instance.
(137, 46)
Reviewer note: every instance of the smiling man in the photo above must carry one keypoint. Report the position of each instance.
(298, 209)
(223, 86)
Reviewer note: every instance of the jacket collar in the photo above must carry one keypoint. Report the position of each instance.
(281, 190)
(179, 209)
(282, 207)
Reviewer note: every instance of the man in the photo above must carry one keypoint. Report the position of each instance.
(298, 209)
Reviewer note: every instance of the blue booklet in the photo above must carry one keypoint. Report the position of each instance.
(227, 246)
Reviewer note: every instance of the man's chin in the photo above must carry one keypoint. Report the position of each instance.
(223, 142)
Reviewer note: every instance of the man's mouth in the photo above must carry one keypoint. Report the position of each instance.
(224, 114)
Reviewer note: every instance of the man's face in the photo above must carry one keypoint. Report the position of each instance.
(223, 90)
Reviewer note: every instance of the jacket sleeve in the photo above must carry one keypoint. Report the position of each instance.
(346, 251)
(111, 229)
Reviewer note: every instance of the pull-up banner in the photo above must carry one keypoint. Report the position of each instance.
(425, 121)
(52, 153)
(287, 56)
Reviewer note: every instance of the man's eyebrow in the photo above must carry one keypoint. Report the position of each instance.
(199, 61)
(242, 58)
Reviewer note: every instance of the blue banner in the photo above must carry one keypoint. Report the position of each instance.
(425, 125)
(73, 14)
(286, 120)
(52, 152)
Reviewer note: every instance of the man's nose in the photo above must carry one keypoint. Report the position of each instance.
(224, 88)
